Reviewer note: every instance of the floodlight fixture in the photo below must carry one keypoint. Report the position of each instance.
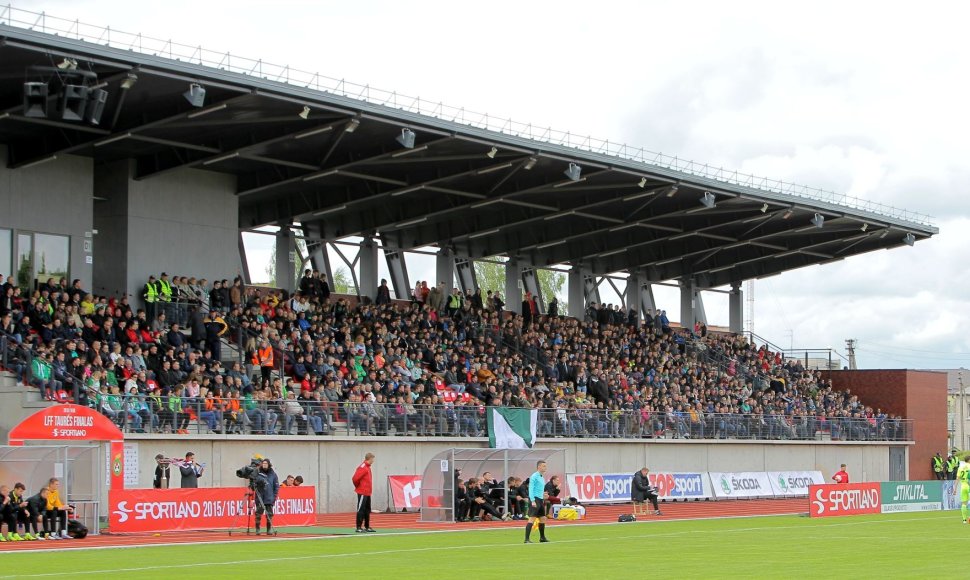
(305, 113)
(67, 64)
(129, 81)
(787, 214)
(865, 227)
(492, 153)
(909, 239)
(573, 172)
(195, 95)
(709, 200)
(352, 126)
(406, 138)
(643, 183)
(672, 191)
(530, 163)
(764, 208)
(818, 221)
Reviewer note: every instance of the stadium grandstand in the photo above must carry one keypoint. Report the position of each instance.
(133, 167)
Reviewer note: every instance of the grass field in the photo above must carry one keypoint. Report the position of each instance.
(921, 545)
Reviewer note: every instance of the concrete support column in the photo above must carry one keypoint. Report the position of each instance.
(319, 257)
(399, 273)
(633, 296)
(700, 314)
(591, 289)
(244, 264)
(513, 293)
(687, 303)
(575, 293)
(530, 281)
(736, 309)
(444, 267)
(467, 281)
(647, 302)
(368, 269)
(285, 259)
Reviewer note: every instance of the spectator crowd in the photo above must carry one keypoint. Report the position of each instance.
(311, 363)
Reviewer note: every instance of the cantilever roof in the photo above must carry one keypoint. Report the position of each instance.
(343, 169)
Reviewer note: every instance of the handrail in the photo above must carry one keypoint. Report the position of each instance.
(139, 413)
(226, 61)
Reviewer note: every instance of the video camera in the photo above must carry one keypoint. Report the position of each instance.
(251, 472)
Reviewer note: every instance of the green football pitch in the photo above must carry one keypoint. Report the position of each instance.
(922, 545)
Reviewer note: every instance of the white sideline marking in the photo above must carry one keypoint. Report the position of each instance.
(435, 549)
(418, 532)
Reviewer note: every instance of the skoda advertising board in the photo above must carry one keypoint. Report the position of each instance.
(793, 483)
(744, 484)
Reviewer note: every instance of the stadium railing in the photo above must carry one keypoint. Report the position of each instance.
(390, 419)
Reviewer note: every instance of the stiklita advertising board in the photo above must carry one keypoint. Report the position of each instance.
(911, 496)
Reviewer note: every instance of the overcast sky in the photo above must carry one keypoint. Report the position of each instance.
(868, 99)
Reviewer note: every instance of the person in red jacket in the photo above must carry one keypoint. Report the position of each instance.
(364, 486)
(841, 476)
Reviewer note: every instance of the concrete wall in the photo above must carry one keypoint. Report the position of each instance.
(181, 223)
(917, 395)
(55, 197)
(329, 464)
(111, 221)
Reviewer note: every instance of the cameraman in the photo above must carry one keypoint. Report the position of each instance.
(267, 488)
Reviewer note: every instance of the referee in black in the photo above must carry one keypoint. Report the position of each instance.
(537, 502)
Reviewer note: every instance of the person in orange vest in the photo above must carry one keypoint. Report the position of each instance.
(265, 358)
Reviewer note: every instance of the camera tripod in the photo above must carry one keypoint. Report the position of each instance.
(254, 503)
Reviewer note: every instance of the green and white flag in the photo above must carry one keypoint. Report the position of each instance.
(510, 428)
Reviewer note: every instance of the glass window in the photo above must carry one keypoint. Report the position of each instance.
(6, 253)
(25, 269)
(52, 256)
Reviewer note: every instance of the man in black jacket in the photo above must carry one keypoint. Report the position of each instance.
(36, 508)
(478, 502)
(267, 488)
(191, 471)
(643, 491)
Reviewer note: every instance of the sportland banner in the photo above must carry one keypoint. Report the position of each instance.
(744, 484)
(911, 496)
(790, 483)
(844, 500)
(405, 491)
(617, 487)
(159, 510)
(510, 428)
